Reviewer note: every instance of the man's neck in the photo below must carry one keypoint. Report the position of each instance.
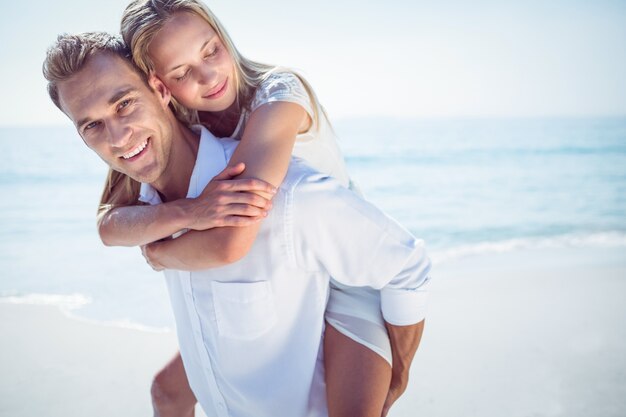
(174, 183)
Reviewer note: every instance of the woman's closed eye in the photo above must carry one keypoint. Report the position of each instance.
(183, 76)
(212, 52)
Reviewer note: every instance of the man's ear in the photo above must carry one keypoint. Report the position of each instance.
(159, 87)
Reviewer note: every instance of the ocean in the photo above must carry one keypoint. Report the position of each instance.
(466, 186)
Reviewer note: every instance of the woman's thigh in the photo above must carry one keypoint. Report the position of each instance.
(357, 378)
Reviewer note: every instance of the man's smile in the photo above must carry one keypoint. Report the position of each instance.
(136, 152)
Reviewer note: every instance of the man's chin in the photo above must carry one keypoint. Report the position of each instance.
(147, 176)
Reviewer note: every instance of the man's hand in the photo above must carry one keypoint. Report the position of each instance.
(404, 342)
(226, 201)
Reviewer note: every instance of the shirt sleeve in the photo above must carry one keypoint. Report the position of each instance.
(340, 233)
(283, 86)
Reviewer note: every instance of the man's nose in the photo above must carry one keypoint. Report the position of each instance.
(119, 134)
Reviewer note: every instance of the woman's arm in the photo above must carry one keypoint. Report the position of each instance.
(265, 148)
(224, 202)
(139, 225)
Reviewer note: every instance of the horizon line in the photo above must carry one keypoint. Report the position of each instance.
(389, 117)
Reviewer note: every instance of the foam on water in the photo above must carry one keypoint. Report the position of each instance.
(70, 304)
(65, 302)
(597, 240)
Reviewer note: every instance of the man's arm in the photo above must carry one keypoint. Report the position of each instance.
(404, 343)
(358, 245)
(339, 232)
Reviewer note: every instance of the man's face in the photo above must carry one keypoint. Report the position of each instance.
(123, 120)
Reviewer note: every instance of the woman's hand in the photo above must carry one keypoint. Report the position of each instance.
(265, 148)
(226, 201)
(148, 253)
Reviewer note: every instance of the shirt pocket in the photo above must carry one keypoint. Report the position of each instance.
(243, 310)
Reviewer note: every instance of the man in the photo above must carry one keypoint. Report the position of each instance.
(249, 333)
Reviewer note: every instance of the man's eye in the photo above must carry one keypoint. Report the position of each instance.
(90, 126)
(123, 104)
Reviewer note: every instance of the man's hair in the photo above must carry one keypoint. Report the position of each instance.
(70, 53)
(66, 58)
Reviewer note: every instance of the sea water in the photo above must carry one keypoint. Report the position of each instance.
(466, 186)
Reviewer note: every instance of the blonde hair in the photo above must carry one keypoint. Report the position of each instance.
(66, 57)
(119, 190)
(143, 19)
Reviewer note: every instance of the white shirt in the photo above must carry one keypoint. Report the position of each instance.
(250, 332)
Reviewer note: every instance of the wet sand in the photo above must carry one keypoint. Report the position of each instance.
(531, 333)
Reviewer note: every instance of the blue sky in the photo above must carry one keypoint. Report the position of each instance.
(401, 58)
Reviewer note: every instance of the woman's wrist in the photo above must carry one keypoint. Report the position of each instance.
(182, 213)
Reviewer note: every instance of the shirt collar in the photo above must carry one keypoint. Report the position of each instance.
(210, 161)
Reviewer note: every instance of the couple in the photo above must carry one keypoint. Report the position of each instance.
(250, 282)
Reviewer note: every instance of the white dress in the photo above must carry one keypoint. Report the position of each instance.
(355, 312)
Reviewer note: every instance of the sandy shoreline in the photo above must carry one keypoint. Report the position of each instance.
(531, 333)
(56, 366)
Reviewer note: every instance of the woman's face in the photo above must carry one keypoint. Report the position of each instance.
(193, 63)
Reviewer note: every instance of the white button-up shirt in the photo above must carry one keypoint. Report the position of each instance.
(250, 332)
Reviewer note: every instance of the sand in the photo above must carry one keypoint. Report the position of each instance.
(532, 333)
(52, 365)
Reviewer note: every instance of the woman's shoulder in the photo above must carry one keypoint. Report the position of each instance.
(281, 80)
(281, 86)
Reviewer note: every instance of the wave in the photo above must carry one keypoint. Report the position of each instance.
(612, 239)
(65, 302)
(71, 304)
(68, 304)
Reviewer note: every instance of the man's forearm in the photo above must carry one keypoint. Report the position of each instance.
(139, 225)
(404, 343)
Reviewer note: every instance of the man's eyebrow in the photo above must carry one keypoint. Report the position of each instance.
(114, 99)
(81, 122)
(124, 92)
(201, 48)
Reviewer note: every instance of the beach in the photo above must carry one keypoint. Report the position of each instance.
(536, 332)
(524, 219)
(53, 365)
(493, 131)
(528, 333)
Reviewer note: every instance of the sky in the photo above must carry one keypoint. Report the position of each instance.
(399, 58)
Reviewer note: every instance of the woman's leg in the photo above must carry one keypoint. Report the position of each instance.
(171, 394)
(357, 379)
